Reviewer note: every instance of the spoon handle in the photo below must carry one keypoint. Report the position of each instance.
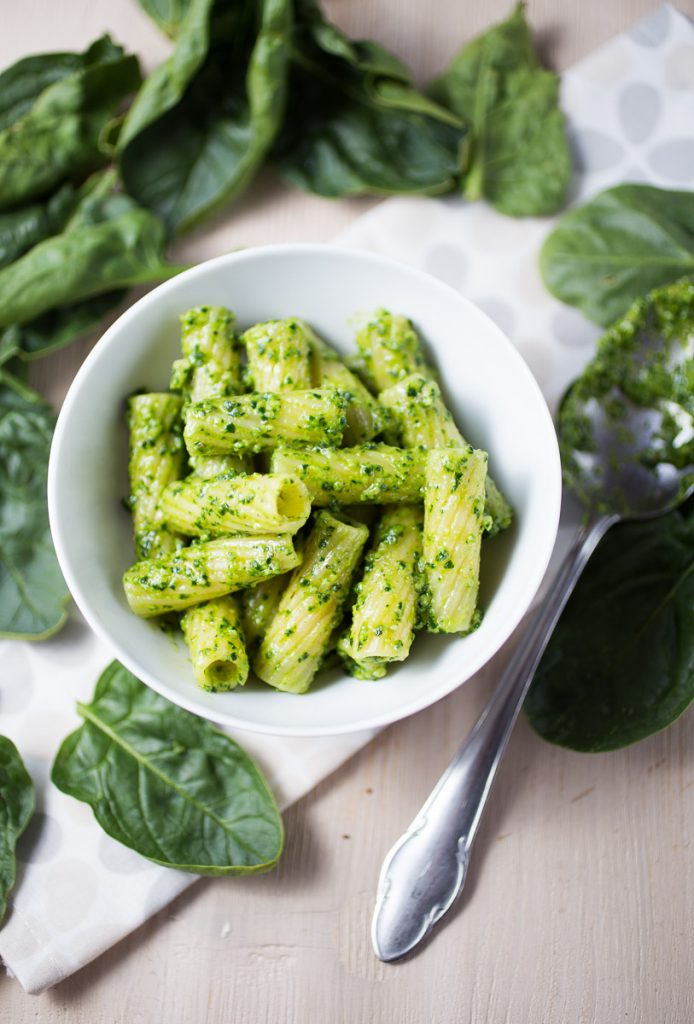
(425, 870)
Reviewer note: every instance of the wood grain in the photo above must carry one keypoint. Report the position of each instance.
(579, 900)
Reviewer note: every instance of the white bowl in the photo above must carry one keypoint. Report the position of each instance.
(493, 396)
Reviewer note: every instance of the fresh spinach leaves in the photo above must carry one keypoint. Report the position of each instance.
(168, 14)
(617, 247)
(183, 155)
(110, 243)
(355, 124)
(620, 665)
(518, 154)
(16, 808)
(33, 595)
(54, 110)
(167, 784)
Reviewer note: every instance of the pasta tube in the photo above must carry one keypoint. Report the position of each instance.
(390, 349)
(423, 419)
(383, 615)
(301, 629)
(259, 422)
(454, 521)
(279, 355)
(365, 417)
(259, 604)
(157, 457)
(205, 571)
(259, 503)
(373, 473)
(210, 366)
(215, 639)
(220, 465)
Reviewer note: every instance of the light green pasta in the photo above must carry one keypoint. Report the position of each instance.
(422, 418)
(365, 417)
(383, 615)
(259, 604)
(257, 503)
(157, 457)
(279, 355)
(219, 465)
(375, 473)
(259, 422)
(205, 571)
(211, 365)
(420, 413)
(390, 349)
(216, 643)
(300, 632)
(454, 520)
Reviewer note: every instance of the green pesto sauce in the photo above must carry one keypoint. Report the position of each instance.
(645, 359)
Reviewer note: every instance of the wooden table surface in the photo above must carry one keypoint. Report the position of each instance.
(580, 898)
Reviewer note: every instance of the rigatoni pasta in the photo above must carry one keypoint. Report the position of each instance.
(217, 645)
(279, 355)
(157, 457)
(236, 503)
(299, 633)
(385, 609)
(257, 485)
(423, 420)
(377, 473)
(454, 521)
(203, 571)
(259, 422)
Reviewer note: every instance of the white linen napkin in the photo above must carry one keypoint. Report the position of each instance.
(78, 892)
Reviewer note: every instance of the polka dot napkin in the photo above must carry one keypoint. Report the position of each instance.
(630, 107)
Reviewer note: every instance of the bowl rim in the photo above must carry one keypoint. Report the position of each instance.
(551, 503)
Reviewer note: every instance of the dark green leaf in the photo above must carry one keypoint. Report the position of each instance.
(519, 157)
(109, 244)
(356, 125)
(168, 14)
(16, 808)
(33, 595)
(183, 156)
(23, 82)
(57, 137)
(626, 241)
(21, 229)
(167, 784)
(620, 665)
(58, 327)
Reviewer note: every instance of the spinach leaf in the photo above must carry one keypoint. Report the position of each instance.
(21, 229)
(16, 808)
(618, 246)
(167, 784)
(58, 136)
(620, 665)
(23, 82)
(184, 156)
(33, 595)
(518, 156)
(355, 124)
(58, 327)
(168, 14)
(109, 244)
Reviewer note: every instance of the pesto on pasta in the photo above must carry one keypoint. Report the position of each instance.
(290, 508)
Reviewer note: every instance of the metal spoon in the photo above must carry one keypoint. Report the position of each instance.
(425, 870)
